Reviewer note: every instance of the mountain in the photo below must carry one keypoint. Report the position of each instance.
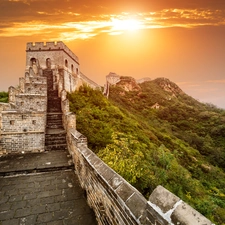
(153, 133)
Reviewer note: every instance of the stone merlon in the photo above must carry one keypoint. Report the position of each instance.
(51, 46)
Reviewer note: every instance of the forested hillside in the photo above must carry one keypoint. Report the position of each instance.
(156, 134)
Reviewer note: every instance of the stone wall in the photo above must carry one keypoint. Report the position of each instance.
(115, 201)
(29, 99)
(31, 102)
(50, 47)
(35, 85)
(51, 56)
(23, 120)
(59, 58)
(22, 132)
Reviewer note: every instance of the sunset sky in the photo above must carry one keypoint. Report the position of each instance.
(183, 41)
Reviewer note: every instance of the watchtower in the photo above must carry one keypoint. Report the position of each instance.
(52, 70)
(55, 56)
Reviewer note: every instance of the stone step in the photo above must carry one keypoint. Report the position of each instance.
(55, 136)
(52, 93)
(55, 126)
(13, 164)
(54, 109)
(54, 98)
(55, 132)
(54, 103)
(56, 147)
(54, 120)
(49, 141)
(54, 116)
(55, 142)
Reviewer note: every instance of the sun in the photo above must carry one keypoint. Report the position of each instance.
(125, 25)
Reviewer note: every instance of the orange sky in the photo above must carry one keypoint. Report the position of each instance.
(180, 40)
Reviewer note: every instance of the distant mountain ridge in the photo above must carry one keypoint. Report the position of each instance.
(170, 89)
(131, 84)
(152, 133)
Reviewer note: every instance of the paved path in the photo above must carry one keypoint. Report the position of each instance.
(33, 162)
(41, 188)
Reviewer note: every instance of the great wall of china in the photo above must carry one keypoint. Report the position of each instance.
(52, 70)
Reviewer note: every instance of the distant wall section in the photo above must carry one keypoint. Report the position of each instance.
(23, 119)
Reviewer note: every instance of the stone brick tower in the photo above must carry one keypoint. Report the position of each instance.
(56, 57)
(51, 69)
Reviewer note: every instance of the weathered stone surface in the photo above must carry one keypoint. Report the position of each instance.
(154, 216)
(137, 204)
(163, 198)
(186, 215)
(30, 162)
(31, 201)
(112, 198)
(51, 68)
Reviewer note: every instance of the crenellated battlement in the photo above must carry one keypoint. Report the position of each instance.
(50, 46)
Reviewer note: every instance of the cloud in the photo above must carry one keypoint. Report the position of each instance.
(222, 81)
(81, 20)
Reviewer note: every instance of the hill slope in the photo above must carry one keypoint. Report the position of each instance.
(156, 134)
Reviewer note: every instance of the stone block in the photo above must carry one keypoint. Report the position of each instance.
(137, 205)
(163, 198)
(186, 215)
(125, 191)
(116, 181)
(154, 216)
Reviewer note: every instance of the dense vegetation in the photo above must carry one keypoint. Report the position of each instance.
(181, 145)
(3, 96)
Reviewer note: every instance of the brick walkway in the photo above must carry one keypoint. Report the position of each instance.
(41, 188)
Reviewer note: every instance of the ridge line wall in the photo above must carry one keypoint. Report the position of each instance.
(114, 200)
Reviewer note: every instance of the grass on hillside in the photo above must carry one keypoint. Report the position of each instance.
(149, 147)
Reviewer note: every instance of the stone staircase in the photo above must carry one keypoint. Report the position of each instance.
(55, 138)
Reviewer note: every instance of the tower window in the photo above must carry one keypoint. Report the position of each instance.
(66, 63)
(32, 61)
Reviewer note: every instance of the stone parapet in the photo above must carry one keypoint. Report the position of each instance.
(22, 131)
(51, 46)
(115, 201)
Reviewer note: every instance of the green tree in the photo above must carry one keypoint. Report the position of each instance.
(125, 155)
(4, 96)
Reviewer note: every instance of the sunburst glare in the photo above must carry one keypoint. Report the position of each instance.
(126, 25)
